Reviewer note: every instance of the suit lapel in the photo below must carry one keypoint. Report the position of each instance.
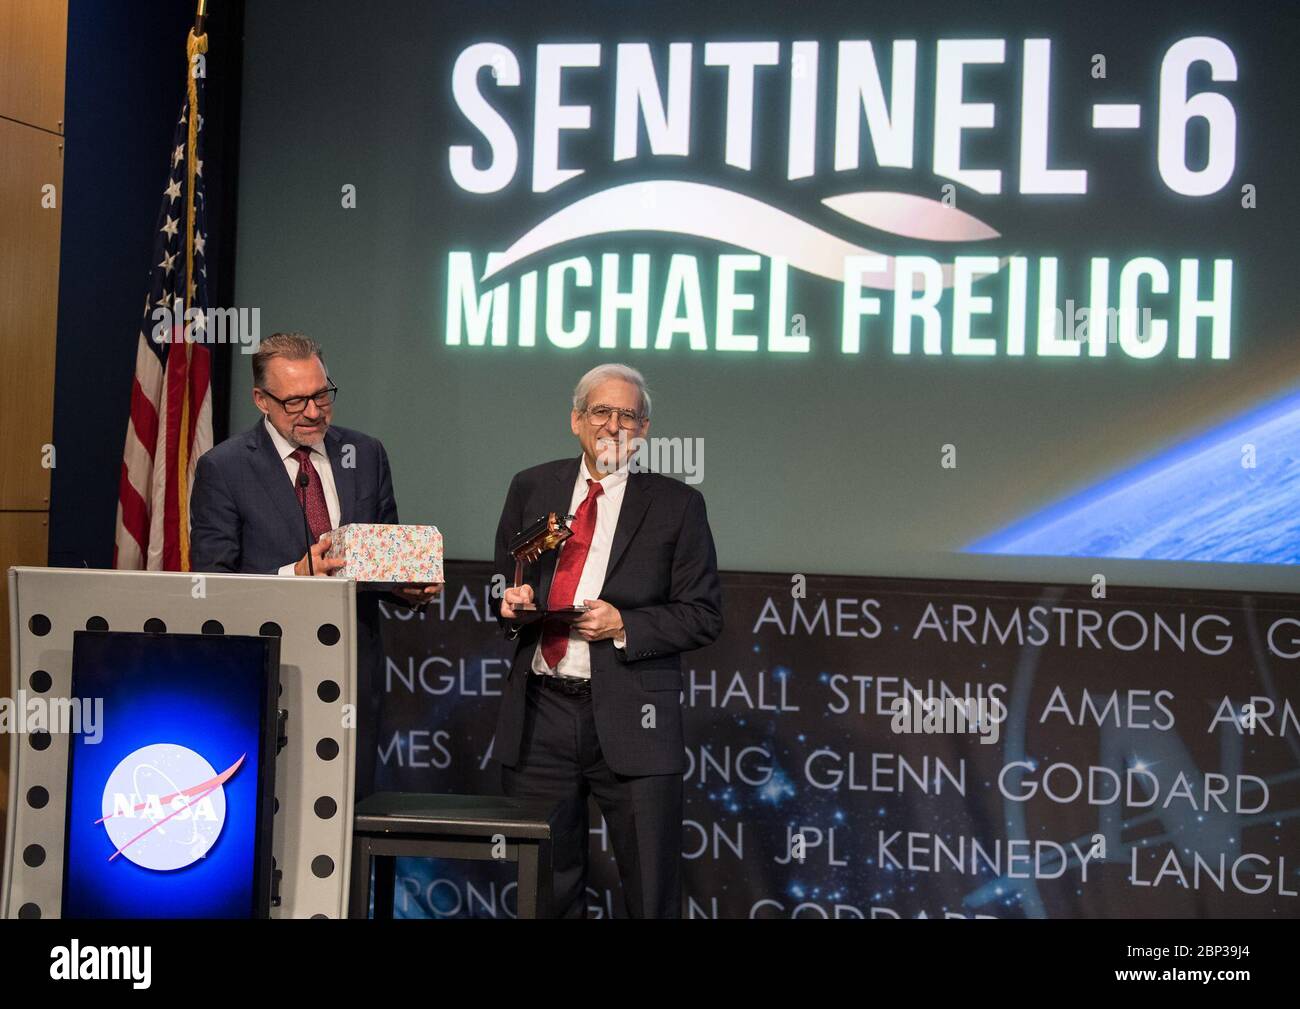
(274, 480)
(345, 477)
(636, 499)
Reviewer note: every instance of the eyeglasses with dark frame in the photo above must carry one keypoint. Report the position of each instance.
(599, 416)
(297, 404)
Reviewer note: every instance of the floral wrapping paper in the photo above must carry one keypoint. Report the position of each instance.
(391, 554)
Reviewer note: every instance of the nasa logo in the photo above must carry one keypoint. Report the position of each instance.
(164, 806)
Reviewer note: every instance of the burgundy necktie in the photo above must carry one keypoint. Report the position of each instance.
(312, 496)
(573, 555)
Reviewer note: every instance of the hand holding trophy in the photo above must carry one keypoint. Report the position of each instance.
(547, 533)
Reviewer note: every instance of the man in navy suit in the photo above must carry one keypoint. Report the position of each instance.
(593, 708)
(262, 500)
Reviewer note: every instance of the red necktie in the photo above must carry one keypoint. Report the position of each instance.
(312, 497)
(573, 555)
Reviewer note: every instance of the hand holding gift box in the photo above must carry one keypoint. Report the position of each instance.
(388, 555)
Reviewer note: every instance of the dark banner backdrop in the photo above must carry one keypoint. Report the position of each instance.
(1148, 764)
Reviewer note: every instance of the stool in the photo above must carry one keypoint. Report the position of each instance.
(391, 824)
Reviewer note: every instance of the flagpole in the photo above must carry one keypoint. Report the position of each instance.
(195, 47)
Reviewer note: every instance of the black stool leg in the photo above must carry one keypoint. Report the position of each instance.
(545, 879)
(359, 886)
(385, 880)
(526, 890)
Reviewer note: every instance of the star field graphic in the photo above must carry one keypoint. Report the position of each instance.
(1147, 762)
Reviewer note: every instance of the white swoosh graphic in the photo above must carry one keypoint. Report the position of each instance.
(702, 211)
(911, 216)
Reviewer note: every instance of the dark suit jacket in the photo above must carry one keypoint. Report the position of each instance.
(662, 577)
(244, 513)
(245, 517)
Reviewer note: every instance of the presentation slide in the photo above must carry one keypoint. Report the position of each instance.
(169, 805)
(918, 289)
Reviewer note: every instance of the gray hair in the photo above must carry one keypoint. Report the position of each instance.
(292, 346)
(605, 372)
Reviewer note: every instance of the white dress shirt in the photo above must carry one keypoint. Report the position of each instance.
(577, 660)
(320, 461)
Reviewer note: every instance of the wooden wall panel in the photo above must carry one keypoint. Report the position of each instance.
(23, 542)
(33, 50)
(33, 62)
(29, 293)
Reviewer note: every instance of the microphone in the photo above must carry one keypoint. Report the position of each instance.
(303, 482)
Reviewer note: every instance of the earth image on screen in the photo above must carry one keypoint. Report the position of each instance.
(1229, 494)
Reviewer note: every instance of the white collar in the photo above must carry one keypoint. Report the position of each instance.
(608, 482)
(287, 448)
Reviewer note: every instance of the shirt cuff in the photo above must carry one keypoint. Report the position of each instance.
(286, 569)
(621, 643)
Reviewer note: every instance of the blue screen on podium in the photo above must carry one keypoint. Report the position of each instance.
(169, 811)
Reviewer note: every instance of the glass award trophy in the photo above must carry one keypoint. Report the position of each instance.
(547, 533)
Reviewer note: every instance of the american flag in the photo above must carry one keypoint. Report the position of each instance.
(171, 398)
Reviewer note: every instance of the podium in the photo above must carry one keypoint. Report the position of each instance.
(315, 622)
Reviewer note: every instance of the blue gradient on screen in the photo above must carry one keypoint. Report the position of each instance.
(1197, 501)
(206, 694)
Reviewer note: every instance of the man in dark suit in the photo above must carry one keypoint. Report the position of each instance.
(594, 708)
(262, 500)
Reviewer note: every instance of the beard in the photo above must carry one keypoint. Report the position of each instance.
(309, 435)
